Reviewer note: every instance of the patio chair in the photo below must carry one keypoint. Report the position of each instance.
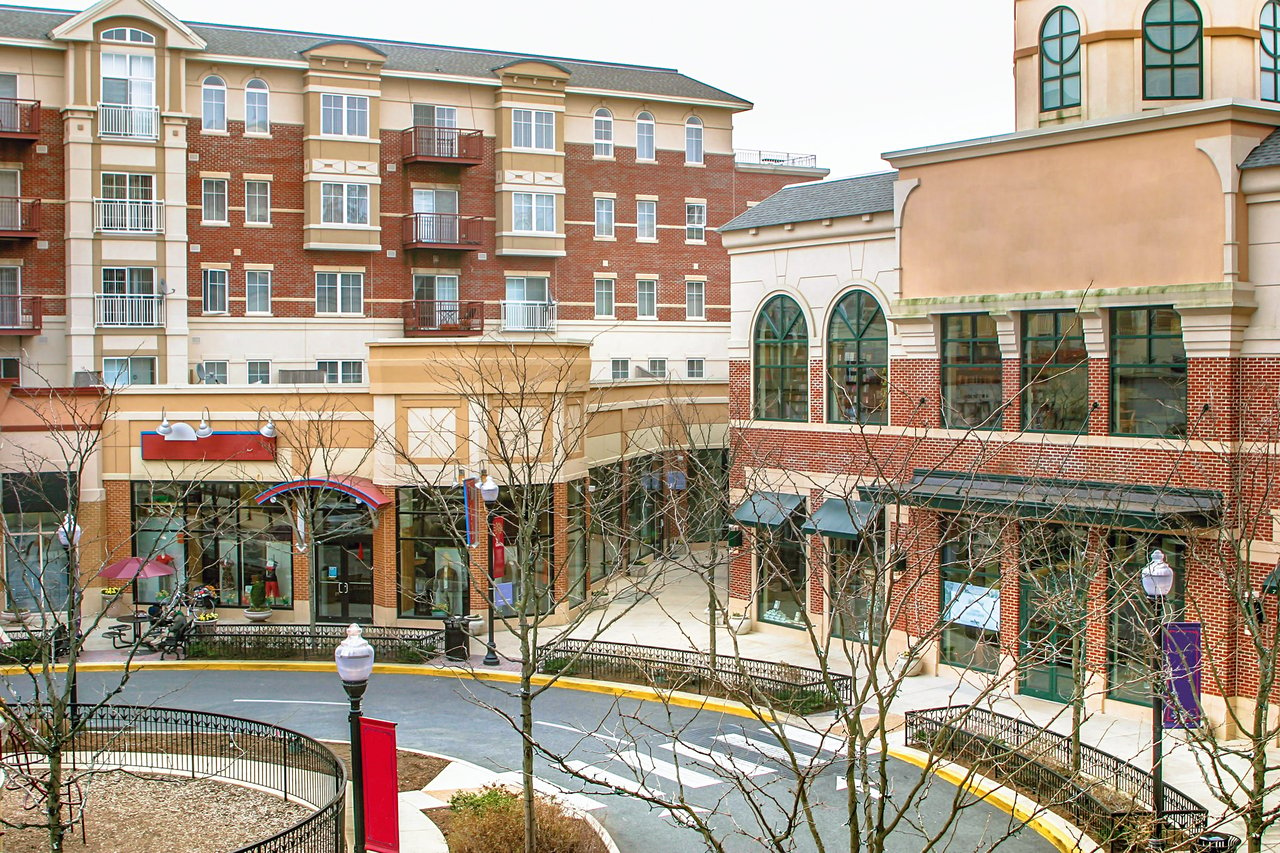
(177, 637)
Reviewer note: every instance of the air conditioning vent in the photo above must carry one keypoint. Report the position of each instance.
(87, 379)
(301, 377)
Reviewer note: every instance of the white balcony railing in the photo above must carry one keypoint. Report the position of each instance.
(129, 309)
(524, 316)
(116, 216)
(128, 121)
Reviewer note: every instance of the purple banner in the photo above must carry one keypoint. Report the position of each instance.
(1182, 651)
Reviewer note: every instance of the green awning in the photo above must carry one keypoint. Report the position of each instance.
(842, 519)
(768, 509)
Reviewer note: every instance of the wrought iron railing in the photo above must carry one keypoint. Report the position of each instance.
(794, 688)
(527, 316)
(443, 143)
(19, 215)
(441, 229)
(443, 316)
(302, 642)
(128, 121)
(122, 216)
(1039, 763)
(21, 315)
(129, 309)
(753, 157)
(203, 745)
(19, 118)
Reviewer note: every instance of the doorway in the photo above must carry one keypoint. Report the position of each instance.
(1047, 639)
(344, 580)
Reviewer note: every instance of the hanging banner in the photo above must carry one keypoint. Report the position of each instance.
(1182, 652)
(499, 548)
(381, 786)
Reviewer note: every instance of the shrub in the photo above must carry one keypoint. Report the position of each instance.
(21, 651)
(562, 666)
(492, 821)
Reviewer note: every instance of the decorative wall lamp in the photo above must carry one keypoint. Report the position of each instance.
(178, 441)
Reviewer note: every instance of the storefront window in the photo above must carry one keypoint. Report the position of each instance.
(528, 524)
(859, 584)
(35, 563)
(707, 503)
(645, 506)
(1129, 641)
(971, 593)
(1148, 372)
(433, 580)
(783, 574)
(971, 380)
(604, 548)
(577, 539)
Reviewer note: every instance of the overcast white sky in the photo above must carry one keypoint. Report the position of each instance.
(845, 79)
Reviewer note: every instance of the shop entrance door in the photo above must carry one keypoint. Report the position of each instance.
(1047, 643)
(344, 580)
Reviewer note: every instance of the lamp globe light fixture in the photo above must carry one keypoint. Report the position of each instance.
(1157, 576)
(354, 657)
(489, 492)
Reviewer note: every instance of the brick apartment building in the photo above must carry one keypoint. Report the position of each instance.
(1063, 337)
(233, 226)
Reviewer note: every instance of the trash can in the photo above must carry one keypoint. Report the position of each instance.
(1215, 842)
(457, 643)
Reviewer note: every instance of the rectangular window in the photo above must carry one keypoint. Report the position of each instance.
(658, 368)
(534, 213)
(858, 584)
(620, 368)
(259, 373)
(695, 222)
(10, 368)
(972, 389)
(345, 372)
(695, 300)
(646, 300)
(432, 115)
(604, 217)
(344, 115)
(344, 204)
(257, 292)
(433, 579)
(1055, 372)
(696, 368)
(604, 297)
(534, 129)
(1129, 640)
(257, 202)
(215, 372)
(215, 292)
(1148, 372)
(971, 593)
(134, 370)
(129, 281)
(646, 220)
(646, 145)
(214, 199)
(339, 293)
(122, 186)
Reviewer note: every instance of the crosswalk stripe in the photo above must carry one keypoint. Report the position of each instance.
(681, 775)
(842, 785)
(613, 780)
(820, 742)
(719, 760)
(769, 750)
(578, 801)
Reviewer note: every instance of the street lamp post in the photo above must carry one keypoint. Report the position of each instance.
(1157, 582)
(354, 657)
(69, 534)
(489, 492)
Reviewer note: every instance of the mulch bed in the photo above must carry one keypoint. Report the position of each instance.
(444, 817)
(416, 771)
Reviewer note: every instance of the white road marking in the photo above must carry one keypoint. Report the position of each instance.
(820, 742)
(719, 760)
(842, 785)
(573, 798)
(595, 735)
(613, 780)
(291, 702)
(769, 750)
(682, 775)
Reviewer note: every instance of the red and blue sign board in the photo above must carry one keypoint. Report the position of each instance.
(249, 446)
(381, 786)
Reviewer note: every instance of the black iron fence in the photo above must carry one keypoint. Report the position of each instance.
(1108, 798)
(203, 745)
(303, 642)
(795, 689)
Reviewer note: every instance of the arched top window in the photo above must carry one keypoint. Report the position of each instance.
(257, 107)
(1172, 55)
(129, 35)
(1269, 26)
(646, 137)
(858, 361)
(781, 352)
(693, 140)
(1060, 60)
(603, 133)
(213, 98)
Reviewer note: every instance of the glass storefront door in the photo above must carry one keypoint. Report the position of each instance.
(344, 580)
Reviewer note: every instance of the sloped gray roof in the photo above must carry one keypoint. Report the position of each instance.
(29, 23)
(1266, 154)
(820, 200)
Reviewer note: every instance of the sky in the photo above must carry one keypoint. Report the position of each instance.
(846, 80)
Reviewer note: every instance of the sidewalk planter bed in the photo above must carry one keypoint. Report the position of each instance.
(1110, 799)
(302, 642)
(794, 689)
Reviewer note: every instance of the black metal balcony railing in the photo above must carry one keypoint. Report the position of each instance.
(21, 315)
(441, 231)
(426, 317)
(423, 144)
(19, 217)
(19, 119)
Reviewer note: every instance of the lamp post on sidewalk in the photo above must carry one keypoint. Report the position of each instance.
(354, 658)
(69, 534)
(489, 492)
(1157, 583)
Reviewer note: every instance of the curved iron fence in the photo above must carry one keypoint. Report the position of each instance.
(302, 642)
(213, 746)
(791, 688)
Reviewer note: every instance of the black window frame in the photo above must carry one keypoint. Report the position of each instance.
(1067, 65)
(1037, 374)
(1151, 49)
(1117, 367)
(973, 342)
(860, 327)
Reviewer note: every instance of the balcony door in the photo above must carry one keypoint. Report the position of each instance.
(10, 114)
(438, 136)
(10, 206)
(433, 228)
(127, 202)
(436, 300)
(10, 303)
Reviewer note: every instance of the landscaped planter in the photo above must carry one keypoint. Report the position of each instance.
(257, 615)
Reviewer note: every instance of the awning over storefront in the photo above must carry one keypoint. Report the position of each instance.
(357, 487)
(1075, 501)
(840, 519)
(768, 509)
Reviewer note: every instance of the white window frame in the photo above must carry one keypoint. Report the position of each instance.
(346, 194)
(222, 367)
(533, 213)
(695, 368)
(657, 368)
(646, 220)
(343, 371)
(213, 96)
(255, 126)
(351, 112)
(646, 292)
(343, 301)
(646, 138)
(128, 360)
(695, 222)
(605, 291)
(213, 201)
(214, 292)
(694, 142)
(620, 368)
(127, 35)
(249, 369)
(265, 197)
(695, 300)
(605, 219)
(602, 133)
(533, 130)
(257, 280)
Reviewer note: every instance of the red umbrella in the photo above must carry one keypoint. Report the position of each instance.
(131, 568)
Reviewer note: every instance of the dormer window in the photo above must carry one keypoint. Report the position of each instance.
(129, 35)
(1172, 55)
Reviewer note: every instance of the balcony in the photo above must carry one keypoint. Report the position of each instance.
(19, 119)
(424, 318)
(441, 231)
(19, 218)
(774, 159)
(524, 316)
(128, 310)
(443, 145)
(128, 121)
(21, 315)
(116, 216)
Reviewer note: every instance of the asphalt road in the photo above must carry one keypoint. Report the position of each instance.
(626, 743)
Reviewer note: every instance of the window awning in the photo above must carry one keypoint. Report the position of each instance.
(1073, 501)
(1271, 586)
(840, 519)
(357, 487)
(768, 509)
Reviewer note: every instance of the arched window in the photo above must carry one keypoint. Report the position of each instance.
(604, 133)
(1171, 50)
(1269, 25)
(646, 137)
(257, 103)
(1060, 60)
(781, 383)
(128, 35)
(858, 361)
(693, 140)
(213, 114)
